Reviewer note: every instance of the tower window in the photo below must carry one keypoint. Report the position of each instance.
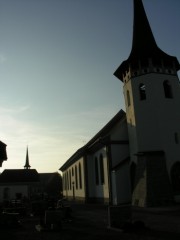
(142, 91)
(101, 168)
(167, 89)
(128, 99)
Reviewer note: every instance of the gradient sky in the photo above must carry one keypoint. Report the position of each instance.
(57, 59)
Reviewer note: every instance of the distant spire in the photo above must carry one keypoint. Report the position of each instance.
(27, 166)
(144, 46)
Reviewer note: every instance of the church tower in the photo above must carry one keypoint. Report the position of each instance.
(152, 99)
(27, 166)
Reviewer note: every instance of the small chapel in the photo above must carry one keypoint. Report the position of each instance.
(135, 158)
(27, 183)
(17, 184)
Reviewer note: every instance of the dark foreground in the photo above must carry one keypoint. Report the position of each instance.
(89, 222)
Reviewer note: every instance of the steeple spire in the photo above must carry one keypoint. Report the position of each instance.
(27, 166)
(144, 48)
(143, 40)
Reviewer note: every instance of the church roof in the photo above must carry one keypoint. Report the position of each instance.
(144, 45)
(19, 176)
(100, 137)
(46, 178)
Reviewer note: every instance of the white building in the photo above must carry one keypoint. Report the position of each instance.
(101, 163)
(137, 159)
(18, 184)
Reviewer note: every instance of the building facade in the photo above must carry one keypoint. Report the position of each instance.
(18, 184)
(93, 173)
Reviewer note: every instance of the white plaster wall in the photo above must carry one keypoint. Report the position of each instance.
(79, 192)
(98, 191)
(156, 119)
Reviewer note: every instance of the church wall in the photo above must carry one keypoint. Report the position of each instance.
(119, 153)
(121, 188)
(73, 181)
(156, 120)
(131, 121)
(161, 121)
(120, 132)
(98, 190)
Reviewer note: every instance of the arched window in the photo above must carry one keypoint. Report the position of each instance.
(167, 89)
(72, 171)
(64, 182)
(80, 177)
(142, 91)
(132, 175)
(101, 165)
(175, 177)
(70, 179)
(96, 171)
(67, 180)
(76, 177)
(128, 98)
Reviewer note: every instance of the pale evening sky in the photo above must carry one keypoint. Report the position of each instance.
(57, 59)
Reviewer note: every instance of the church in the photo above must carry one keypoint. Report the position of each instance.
(135, 158)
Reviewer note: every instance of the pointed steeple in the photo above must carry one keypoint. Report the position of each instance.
(143, 40)
(27, 166)
(144, 48)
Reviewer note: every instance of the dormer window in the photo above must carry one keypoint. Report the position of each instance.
(167, 89)
(142, 91)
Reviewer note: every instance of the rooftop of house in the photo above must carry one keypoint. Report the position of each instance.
(19, 176)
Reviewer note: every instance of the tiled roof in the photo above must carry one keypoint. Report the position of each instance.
(46, 178)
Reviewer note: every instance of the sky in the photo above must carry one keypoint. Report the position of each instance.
(57, 59)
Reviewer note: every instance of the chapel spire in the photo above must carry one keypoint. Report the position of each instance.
(27, 166)
(145, 53)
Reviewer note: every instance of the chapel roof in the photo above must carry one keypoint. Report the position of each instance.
(19, 176)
